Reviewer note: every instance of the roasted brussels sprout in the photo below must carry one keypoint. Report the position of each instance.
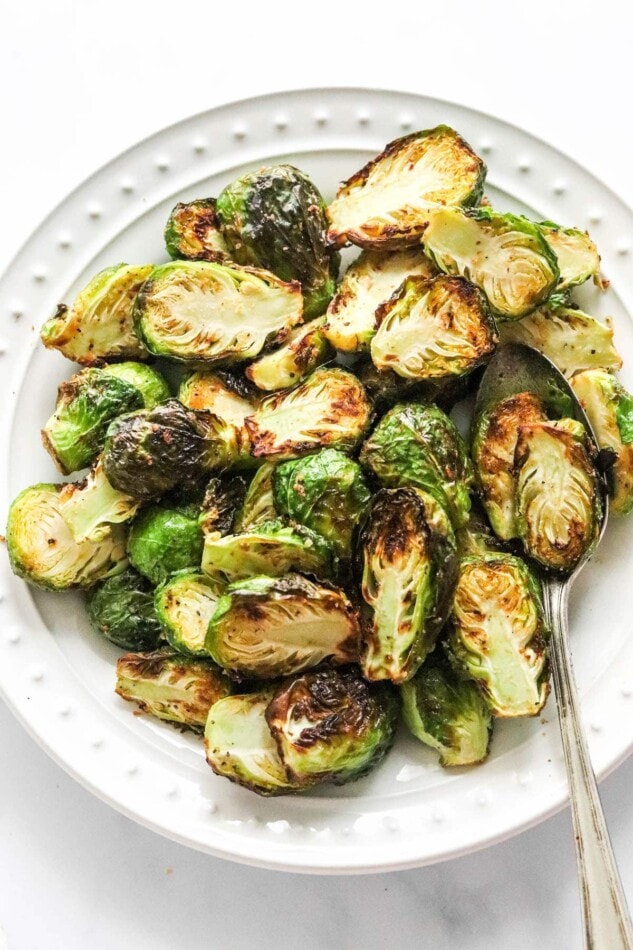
(329, 409)
(193, 233)
(272, 548)
(218, 394)
(409, 571)
(258, 506)
(305, 349)
(330, 725)
(505, 255)
(498, 637)
(122, 609)
(275, 218)
(388, 203)
(419, 445)
(434, 328)
(99, 325)
(221, 502)
(447, 712)
(326, 492)
(163, 541)
(577, 255)
(170, 686)
(267, 627)
(92, 506)
(202, 312)
(147, 380)
(385, 388)
(367, 283)
(42, 548)
(184, 605)
(609, 408)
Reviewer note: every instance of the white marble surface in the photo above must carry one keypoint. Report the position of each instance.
(80, 83)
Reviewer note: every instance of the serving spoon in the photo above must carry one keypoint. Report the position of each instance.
(513, 369)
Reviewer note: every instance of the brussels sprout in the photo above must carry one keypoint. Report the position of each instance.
(330, 408)
(122, 609)
(220, 504)
(504, 255)
(385, 388)
(305, 349)
(609, 408)
(199, 311)
(43, 551)
(147, 380)
(275, 218)
(270, 548)
(258, 506)
(170, 686)
(193, 232)
(498, 637)
(92, 506)
(419, 445)
(409, 571)
(388, 203)
(434, 328)
(239, 745)
(99, 325)
(330, 725)
(214, 393)
(163, 541)
(558, 502)
(447, 712)
(184, 605)
(267, 627)
(326, 492)
(495, 435)
(571, 339)
(367, 283)
(577, 255)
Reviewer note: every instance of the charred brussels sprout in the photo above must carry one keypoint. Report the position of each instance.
(193, 233)
(275, 218)
(267, 627)
(609, 408)
(211, 392)
(220, 504)
(99, 325)
(418, 445)
(330, 725)
(258, 506)
(122, 609)
(92, 506)
(367, 283)
(326, 492)
(185, 605)
(270, 548)
(409, 570)
(170, 686)
(504, 255)
(329, 409)
(388, 203)
(498, 636)
(163, 541)
(447, 712)
(202, 312)
(434, 328)
(305, 349)
(577, 255)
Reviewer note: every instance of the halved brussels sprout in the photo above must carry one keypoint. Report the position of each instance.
(304, 350)
(203, 312)
(215, 393)
(193, 232)
(409, 571)
(267, 627)
(434, 328)
(92, 506)
(504, 255)
(419, 445)
(169, 686)
(326, 492)
(272, 548)
(99, 325)
(558, 502)
(164, 541)
(498, 637)
(275, 218)
(42, 548)
(184, 606)
(447, 712)
(571, 339)
(388, 203)
(330, 408)
(495, 434)
(121, 608)
(577, 255)
(367, 283)
(258, 506)
(330, 725)
(221, 502)
(609, 408)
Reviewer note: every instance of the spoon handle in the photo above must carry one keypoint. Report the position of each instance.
(607, 923)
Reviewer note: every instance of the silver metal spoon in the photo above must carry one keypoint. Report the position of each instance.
(607, 923)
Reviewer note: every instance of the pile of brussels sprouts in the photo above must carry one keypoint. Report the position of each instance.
(291, 536)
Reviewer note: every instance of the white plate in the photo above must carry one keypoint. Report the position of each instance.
(57, 676)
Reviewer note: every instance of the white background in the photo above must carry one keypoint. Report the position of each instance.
(79, 82)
